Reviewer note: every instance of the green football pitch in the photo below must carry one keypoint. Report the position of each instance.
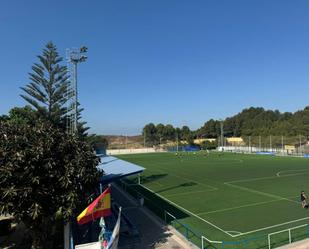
(228, 197)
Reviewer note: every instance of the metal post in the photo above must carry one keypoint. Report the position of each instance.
(250, 148)
(290, 239)
(282, 145)
(101, 188)
(144, 139)
(177, 142)
(222, 136)
(187, 233)
(260, 143)
(299, 144)
(75, 97)
(270, 144)
(66, 235)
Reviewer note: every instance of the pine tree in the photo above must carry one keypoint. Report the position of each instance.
(46, 91)
(81, 125)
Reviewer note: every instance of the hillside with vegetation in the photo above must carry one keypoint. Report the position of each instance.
(256, 121)
(253, 121)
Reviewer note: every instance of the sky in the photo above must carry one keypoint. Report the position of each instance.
(179, 62)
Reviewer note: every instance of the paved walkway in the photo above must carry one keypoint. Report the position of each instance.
(153, 233)
(303, 244)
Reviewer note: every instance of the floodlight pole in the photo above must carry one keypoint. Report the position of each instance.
(177, 141)
(74, 56)
(144, 139)
(221, 128)
(76, 96)
(299, 144)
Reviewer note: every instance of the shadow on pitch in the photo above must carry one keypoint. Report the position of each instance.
(151, 178)
(186, 184)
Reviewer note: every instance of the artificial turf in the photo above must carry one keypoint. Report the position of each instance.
(227, 197)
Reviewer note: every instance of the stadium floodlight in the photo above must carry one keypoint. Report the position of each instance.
(74, 56)
(83, 58)
(83, 49)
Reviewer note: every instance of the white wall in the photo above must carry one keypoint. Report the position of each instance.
(246, 149)
(132, 151)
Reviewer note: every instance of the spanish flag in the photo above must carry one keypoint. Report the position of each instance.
(100, 207)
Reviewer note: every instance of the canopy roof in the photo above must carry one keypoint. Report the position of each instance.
(115, 169)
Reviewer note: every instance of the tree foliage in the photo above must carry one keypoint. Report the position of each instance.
(98, 142)
(43, 173)
(46, 91)
(150, 134)
(160, 133)
(254, 121)
(259, 122)
(23, 115)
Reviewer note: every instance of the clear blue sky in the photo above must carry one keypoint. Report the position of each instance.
(170, 61)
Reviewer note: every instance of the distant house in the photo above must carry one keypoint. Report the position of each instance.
(202, 140)
(290, 149)
(235, 141)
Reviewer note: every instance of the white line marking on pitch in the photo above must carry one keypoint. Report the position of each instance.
(190, 192)
(293, 170)
(238, 207)
(260, 192)
(187, 211)
(264, 228)
(237, 232)
(264, 178)
(228, 232)
(188, 179)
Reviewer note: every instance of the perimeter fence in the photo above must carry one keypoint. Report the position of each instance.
(173, 216)
(283, 145)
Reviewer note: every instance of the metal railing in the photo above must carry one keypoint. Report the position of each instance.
(286, 230)
(209, 241)
(183, 228)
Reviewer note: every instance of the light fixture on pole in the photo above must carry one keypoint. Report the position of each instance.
(74, 56)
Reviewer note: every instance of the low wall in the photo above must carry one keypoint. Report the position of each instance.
(132, 151)
(249, 149)
(257, 150)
